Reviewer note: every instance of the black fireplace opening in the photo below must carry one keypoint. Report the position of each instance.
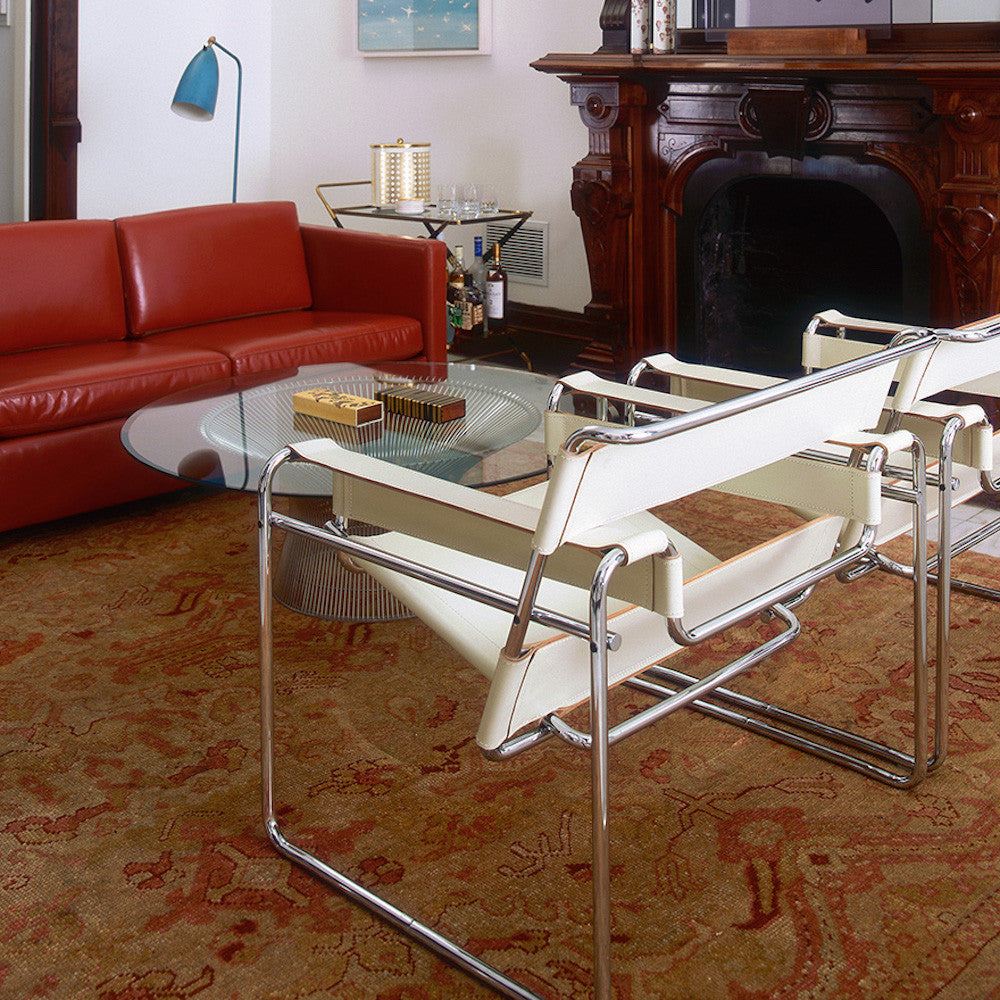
(759, 255)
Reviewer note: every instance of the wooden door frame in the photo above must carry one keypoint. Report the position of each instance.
(54, 130)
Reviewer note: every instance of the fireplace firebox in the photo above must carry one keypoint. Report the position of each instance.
(763, 245)
(724, 198)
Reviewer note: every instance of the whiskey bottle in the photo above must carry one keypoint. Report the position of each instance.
(456, 283)
(456, 264)
(496, 293)
(471, 305)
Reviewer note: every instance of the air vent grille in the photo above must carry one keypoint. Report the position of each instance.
(525, 256)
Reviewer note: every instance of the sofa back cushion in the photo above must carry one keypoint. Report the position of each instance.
(214, 262)
(60, 283)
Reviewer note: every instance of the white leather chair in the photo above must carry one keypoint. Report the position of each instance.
(564, 590)
(960, 443)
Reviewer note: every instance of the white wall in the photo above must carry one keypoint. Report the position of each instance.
(311, 108)
(7, 110)
(14, 114)
(489, 118)
(136, 154)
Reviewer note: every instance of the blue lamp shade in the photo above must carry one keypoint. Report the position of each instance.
(198, 89)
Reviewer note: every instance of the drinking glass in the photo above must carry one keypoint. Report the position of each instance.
(488, 203)
(468, 199)
(448, 199)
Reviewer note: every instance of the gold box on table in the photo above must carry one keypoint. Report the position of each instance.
(341, 407)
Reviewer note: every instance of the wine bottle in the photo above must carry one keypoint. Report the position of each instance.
(496, 293)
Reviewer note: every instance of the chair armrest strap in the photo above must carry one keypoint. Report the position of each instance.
(973, 443)
(970, 413)
(602, 388)
(898, 440)
(644, 544)
(667, 364)
(834, 317)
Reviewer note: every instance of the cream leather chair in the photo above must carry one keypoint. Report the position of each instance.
(962, 449)
(564, 590)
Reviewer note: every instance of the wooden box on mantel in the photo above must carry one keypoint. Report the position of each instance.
(797, 41)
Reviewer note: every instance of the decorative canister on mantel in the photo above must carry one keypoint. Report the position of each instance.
(664, 26)
(401, 171)
(639, 27)
(653, 25)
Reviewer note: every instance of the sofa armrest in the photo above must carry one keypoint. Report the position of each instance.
(373, 272)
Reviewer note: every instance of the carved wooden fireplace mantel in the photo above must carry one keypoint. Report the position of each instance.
(924, 104)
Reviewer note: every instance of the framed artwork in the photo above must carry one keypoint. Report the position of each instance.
(423, 27)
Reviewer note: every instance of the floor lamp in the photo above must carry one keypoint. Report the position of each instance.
(199, 87)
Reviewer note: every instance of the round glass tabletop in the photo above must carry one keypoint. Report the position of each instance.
(222, 433)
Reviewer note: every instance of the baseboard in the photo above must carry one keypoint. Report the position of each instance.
(551, 341)
(558, 340)
(553, 322)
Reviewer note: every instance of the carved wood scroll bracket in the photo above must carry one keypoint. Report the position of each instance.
(784, 116)
(603, 196)
(603, 213)
(598, 104)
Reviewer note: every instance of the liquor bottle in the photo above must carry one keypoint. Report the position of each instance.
(456, 264)
(456, 283)
(476, 275)
(496, 293)
(471, 308)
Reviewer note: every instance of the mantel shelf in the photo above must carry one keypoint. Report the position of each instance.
(905, 64)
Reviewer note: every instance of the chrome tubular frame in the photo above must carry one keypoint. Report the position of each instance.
(914, 341)
(741, 404)
(428, 937)
(858, 753)
(600, 834)
(334, 536)
(938, 568)
(671, 701)
(777, 597)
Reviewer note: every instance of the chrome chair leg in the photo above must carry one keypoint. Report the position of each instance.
(426, 936)
(599, 744)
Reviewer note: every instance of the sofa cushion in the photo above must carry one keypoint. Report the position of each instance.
(60, 283)
(305, 337)
(213, 262)
(85, 383)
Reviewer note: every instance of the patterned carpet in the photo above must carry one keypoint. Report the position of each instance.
(134, 866)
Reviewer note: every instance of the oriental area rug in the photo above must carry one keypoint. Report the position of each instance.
(133, 864)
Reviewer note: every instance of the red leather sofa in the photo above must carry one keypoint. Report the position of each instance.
(100, 317)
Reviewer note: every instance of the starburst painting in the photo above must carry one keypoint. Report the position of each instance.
(423, 27)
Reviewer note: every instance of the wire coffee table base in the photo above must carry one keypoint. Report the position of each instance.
(313, 579)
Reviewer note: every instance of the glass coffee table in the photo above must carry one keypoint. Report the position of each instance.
(222, 434)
